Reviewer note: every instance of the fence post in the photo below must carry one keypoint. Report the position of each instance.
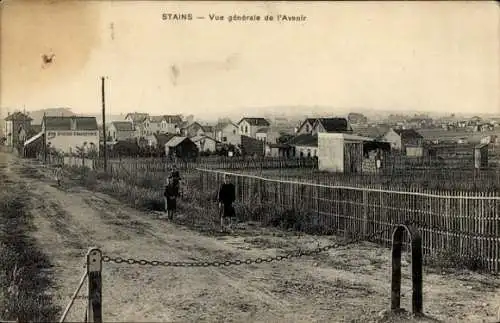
(94, 267)
(365, 212)
(416, 266)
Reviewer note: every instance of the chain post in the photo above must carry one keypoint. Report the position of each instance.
(416, 264)
(94, 269)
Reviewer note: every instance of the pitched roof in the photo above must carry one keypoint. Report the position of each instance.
(408, 134)
(304, 140)
(335, 124)
(175, 141)
(207, 128)
(198, 138)
(262, 122)
(177, 119)
(16, 116)
(372, 132)
(162, 138)
(123, 125)
(64, 123)
(156, 119)
(222, 125)
(137, 116)
(310, 120)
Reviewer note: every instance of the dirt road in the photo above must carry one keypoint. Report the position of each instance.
(349, 284)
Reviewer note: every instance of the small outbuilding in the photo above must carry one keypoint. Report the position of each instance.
(481, 156)
(341, 152)
(181, 147)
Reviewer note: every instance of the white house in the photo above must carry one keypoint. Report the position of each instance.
(67, 133)
(204, 143)
(170, 124)
(249, 126)
(120, 130)
(227, 133)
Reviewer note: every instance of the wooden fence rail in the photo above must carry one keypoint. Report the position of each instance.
(465, 223)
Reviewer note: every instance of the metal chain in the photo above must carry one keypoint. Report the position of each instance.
(237, 262)
(426, 226)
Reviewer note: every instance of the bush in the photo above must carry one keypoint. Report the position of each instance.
(22, 284)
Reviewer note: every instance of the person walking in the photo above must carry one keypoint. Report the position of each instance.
(226, 197)
(170, 196)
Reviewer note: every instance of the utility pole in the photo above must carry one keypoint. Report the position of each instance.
(44, 138)
(104, 125)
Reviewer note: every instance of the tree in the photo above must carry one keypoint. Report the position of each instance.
(355, 117)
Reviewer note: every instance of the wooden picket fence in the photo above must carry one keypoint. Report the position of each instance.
(463, 222)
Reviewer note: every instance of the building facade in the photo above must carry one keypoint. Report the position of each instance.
(249, 126)
(69, 134)
(120, 130)
(227, 133)
(16, 128)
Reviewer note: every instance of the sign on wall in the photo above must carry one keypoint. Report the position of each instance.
(53, 134)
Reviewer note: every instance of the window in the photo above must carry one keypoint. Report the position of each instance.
(307, 127)
(246, 129)
(234, 131)
(224, 139)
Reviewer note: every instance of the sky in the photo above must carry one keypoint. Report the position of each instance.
(426, 56)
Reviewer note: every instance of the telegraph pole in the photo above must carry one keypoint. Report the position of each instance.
(44, 138)
(104, 125)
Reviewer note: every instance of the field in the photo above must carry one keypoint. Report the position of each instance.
(350, 283)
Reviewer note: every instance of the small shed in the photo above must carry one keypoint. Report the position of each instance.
(341, 152)
(481, 156)
(181, 147)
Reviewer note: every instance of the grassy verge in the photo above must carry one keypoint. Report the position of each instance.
(23, 276)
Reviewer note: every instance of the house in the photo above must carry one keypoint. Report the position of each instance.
(331, 125)
(66, 134)
(136, 117)
(306, 126)
(181, 147)
(249, 126)
(170, 124)
(139, 121)
(227, 133)
(490, 139)
(157, 140)
(304, 145)
(196, 129)
(120, 131)
(16, 128)
(401, 138)
(277, 150)
(269, 135)
(205, 143)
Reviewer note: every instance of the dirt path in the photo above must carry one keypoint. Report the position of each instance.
(350, 284)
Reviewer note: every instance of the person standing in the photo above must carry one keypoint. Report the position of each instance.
(226, 197)
(176, 177)
(58, 174)
(170, 196)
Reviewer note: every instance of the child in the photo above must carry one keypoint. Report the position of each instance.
(227, 195)
(170, 196)
(58, 174)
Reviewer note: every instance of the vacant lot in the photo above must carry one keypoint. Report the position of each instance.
(347, 284)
